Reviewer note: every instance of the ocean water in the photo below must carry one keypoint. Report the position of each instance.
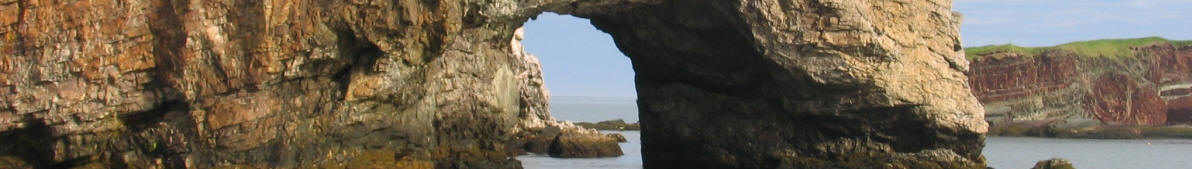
(1023, 152)
(1000, 152)
(631, 160)
(593, 109)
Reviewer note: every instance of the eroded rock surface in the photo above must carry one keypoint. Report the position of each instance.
(799, 84)
(445, 84)
(158, 83)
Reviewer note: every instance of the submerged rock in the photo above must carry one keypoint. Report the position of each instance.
(1055, 163)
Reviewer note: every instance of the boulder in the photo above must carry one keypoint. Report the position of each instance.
(580, 144)
(1054, 163)
(617, 136)
(566, 140)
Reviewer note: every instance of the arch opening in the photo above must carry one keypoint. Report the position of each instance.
(589, 81)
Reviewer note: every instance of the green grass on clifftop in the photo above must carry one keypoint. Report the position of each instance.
(974, 52)
(1106, 48)
(1182, 43)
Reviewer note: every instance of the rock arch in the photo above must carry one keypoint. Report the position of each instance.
(419, 84)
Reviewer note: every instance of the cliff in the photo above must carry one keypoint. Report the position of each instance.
(1143, 81)
(446, 84)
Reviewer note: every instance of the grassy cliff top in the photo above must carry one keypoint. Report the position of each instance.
(1108, 48)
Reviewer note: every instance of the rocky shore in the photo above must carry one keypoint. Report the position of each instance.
(1097, 132)
(617, 124)
(567, 141)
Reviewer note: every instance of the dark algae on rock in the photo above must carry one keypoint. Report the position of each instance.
(446, 84)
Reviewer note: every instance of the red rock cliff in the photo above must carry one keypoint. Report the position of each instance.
(1149, 88)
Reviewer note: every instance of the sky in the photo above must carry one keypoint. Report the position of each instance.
(1052, 22)
(579, 60)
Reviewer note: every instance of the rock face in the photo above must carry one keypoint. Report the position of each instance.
(445, 84)
(799, 84)
(1146, 83)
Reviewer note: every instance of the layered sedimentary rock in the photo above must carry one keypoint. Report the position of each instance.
(445, 84)
(1145, 83)
(799, 84)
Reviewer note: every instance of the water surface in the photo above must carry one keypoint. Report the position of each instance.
(1023, 152)
(1000, 152)
(631, 160)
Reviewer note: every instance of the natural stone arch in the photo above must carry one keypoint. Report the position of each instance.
(827, 84)
(414, 83)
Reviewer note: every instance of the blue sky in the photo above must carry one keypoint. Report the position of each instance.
(579, 60)
(1051, 22)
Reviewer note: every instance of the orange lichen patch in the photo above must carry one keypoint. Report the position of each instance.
(236, 111)
(137, 58)
(363, 86)
(92, 67)
(8, 14)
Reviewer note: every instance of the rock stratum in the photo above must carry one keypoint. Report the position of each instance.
(446, 84)
(1118, 82)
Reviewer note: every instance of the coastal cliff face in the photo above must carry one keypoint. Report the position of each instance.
(445, 84)
(176, 84)
(1143, 83)
(800, 84)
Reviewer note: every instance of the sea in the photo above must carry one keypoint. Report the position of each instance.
(1000, 152)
